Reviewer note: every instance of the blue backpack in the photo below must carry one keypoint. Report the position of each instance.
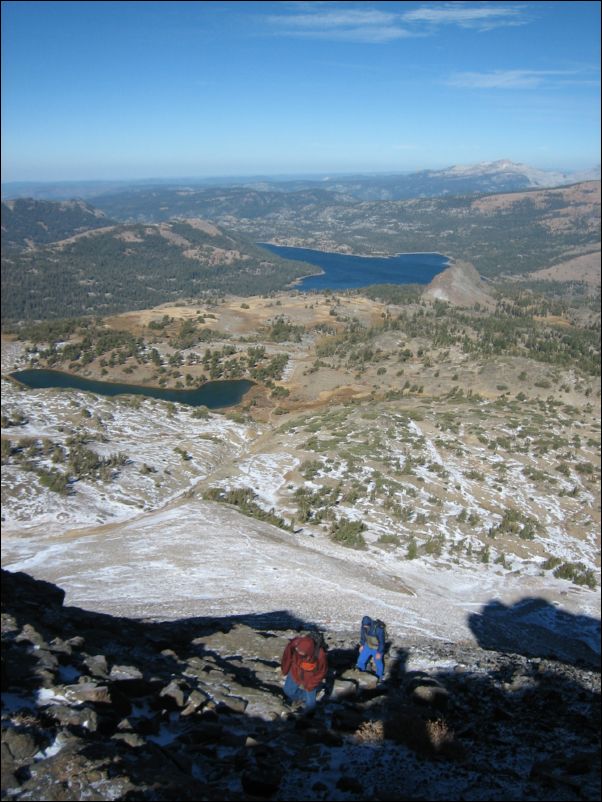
(374, 629)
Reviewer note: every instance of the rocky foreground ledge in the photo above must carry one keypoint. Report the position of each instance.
(96, 707)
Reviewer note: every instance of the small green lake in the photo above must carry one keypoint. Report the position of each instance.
(214, 394)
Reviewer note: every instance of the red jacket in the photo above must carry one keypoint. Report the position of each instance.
(305, 667)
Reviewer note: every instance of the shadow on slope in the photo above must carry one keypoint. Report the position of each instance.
(535, 628)
(115, 708)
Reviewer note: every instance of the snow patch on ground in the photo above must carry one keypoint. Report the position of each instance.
(215, 561)
(147, 545)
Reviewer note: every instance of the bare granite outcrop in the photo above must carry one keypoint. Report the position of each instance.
(460, 285)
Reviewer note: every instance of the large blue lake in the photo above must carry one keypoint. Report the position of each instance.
(214, 395)
(342, 271)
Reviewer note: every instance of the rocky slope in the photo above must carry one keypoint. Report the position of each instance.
(97, 707)
(460, 285)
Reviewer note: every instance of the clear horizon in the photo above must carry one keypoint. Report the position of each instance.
(139, 91)
(275, 177)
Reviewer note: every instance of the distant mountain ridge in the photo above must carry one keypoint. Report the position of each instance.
(485, 177)
(536, 177)
(153, 205)
(496, 176)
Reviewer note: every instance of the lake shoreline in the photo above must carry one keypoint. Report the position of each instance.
(344, 271)
(363, 255)
(71, 381)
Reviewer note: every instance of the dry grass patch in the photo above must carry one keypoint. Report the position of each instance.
(370, 732)
(584, 268)
(429, 737)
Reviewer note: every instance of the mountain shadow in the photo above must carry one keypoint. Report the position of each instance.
(535, 628)
(102, 707)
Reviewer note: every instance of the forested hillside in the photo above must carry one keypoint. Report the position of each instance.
(84, 270)
(27, 222)
(514, 233)
(156, 204)
(136, 266)
(511, 233)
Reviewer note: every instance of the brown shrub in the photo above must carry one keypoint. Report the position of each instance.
(430, 737)
(370, 731)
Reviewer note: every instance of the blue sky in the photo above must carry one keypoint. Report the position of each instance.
(120, 90)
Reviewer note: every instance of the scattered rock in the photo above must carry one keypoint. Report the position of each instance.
(190, 710)
(123, 672)
(428, 691)
(343, 688)
(175, 693)
(20, 745)
(85, 692)
(97, 665)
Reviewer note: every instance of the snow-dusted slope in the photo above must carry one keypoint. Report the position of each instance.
(149, 545)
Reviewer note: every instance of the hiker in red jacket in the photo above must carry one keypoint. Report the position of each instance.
(305, 665)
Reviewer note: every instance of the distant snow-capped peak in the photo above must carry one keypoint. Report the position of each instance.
(535, 176)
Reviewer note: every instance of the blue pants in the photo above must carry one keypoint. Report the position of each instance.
(364, 657)
(298, 694)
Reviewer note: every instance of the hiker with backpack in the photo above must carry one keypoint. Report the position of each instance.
(372, 646)
(305, 665)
